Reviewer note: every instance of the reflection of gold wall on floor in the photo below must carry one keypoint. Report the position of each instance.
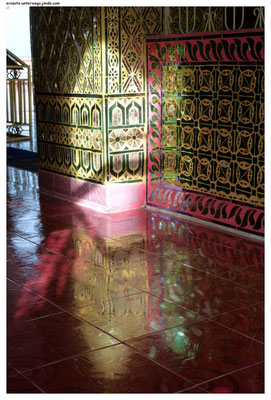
(85, 57)
(112, 266)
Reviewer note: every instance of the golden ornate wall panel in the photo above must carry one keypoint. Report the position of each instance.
(74, 121)
(125, 82)
(196, 19)
(90, 79)
(207, 19)
(214, 137)
(67, 59)
(67, 49)
(126, 138)
(206, 126)
(205, 113)
(72, 162)
(68, 128)
(125, 29)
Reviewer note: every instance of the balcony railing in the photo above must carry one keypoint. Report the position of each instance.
(18, 99)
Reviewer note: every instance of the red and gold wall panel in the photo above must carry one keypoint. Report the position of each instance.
(206, 126)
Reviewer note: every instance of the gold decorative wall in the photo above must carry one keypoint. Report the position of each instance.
(125, 80)
(213, 139)
(196, 19)
(206, 126)
(90, 79)
(209, 19)
(67, 49)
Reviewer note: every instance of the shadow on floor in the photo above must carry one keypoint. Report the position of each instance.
(23, 159)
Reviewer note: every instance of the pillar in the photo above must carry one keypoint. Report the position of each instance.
(90, 96)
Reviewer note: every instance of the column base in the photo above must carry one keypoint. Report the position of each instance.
(108, 198)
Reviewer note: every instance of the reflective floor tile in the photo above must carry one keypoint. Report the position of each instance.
(22, 176)
(73, 243)
(213, 234)
(258, 268)
(51, 206)
(22, 192)
(28, 307)
(84, 217)
(135, 315)
(11, 371)
(20, 210)
(69, 292)
(15, 215)
(19, 246)
(36, 227)
(200, 351)
(196, 390)
(249, 321)
(248, 380)
(208, 256)
(250, 277)
(200, 292)
(20, 297)
(23, 305)
(19, 384)
(254, 248)
(126, 228)
(210, 240)
(184, 296)
(38, 265)
(194, 238)
(117, 369)
(57, 241)
(204, 258)
(83, 243)
(41, 341)
(17, 206)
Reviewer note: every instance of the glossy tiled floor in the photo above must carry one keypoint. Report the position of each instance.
(131, 302)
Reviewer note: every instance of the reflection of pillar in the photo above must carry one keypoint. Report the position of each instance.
(96, 62)
(114, 267)
(105, 268)
(109, 266)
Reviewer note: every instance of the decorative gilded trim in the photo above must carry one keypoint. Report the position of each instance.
(206, 127)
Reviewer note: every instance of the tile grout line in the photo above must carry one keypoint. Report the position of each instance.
(43, 316)
(75, 316)
(240, 333)
(147, 253)
(222, 277)
(228, 373)
(123, 341)
(207, 317)
(202, 317)
(25, 377)
(156, 362)
(26, 371)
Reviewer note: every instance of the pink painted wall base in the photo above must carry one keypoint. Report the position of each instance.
(104, 198)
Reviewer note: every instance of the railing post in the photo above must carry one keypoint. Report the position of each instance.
(18, 87)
